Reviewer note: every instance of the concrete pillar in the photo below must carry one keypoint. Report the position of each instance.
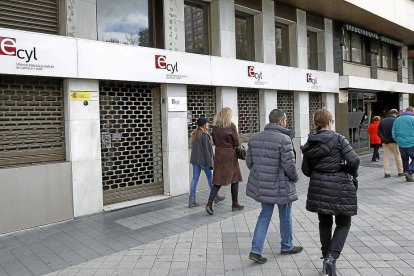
(302, 39)
(301, 114)
(267, 102)
(328, 46)
(227, 97)
(80, 19)
(83, 147)
(174, 142)
(328, 102)
(223, 30)
(264, 26)
(404, 69)
(174, 27)
(404, 101)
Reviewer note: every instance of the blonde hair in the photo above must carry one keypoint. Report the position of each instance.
(376, 119)
(223, 118)
(321, 118)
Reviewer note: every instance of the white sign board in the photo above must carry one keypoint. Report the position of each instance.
(241, 73)
(311, 80)
(177, 103)
(102, 60)
(26, 53)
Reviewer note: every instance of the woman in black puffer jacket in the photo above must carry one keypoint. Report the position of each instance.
(332, 165)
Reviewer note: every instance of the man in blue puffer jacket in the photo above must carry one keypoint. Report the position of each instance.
(403, 133)
(272, 178)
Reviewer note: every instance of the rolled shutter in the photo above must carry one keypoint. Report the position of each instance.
(30, 15)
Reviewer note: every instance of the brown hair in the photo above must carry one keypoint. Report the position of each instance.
(321, 118)
(196, 133)
(376, 119)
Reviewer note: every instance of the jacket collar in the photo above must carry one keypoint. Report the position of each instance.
(279, 128)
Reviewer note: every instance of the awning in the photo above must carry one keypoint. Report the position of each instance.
(391, 41)
(361, 31)
(347, 82)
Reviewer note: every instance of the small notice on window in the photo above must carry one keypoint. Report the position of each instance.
(83, 95)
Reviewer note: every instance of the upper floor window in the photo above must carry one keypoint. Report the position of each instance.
(244, 36)
(126, 21)
(387, 57)
(196, 27)
(356, 48)
(282, 44)
(312, 50)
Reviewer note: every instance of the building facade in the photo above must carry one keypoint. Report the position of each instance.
(98, 97)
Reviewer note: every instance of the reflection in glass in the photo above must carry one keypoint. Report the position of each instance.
(282, 44)
(312, 51)
(124, 21)
(196, 28)
(244, 37)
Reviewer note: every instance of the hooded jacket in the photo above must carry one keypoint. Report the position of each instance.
(403, 130)
(271, 161)
(329, 161)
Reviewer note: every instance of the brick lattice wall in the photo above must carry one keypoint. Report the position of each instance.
(248, 104)
(285, 101)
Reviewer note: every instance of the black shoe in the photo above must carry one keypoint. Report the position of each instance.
(401, 174)
(294, 250)
(329, 265)
(209, 208)
(387, 175)
(409, 177)
(257, 258)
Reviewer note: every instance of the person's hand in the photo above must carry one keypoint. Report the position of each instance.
(355, 182)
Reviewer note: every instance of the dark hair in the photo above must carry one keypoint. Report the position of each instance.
(321, 118)
(276, 115)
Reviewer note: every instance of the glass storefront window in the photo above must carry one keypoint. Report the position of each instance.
(282, 44)
(244, 36)
(196, 28)
(356, 48)
(312, 51)
(125, 21)
(387, 57)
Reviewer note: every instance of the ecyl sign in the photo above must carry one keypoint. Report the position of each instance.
(8, 48)
(161, 63)
(253, 74)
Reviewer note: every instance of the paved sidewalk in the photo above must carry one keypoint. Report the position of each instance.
(166, 238)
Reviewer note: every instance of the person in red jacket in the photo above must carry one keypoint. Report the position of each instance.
(374, 139)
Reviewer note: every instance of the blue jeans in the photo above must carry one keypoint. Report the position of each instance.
(406, 154)
(263, 221)
(196, 176)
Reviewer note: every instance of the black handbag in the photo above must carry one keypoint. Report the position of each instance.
(241, 152)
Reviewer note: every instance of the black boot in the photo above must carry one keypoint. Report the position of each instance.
(329, 265)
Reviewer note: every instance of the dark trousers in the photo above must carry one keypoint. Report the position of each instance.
(333, 244)
(234, 192)
(375, 155)
(406, 154)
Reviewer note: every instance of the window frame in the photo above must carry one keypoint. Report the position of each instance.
(365, 49)
(155, 30)
(285, 44)
(309, 53)
(393, 57)
(250, 51)
(205, 6)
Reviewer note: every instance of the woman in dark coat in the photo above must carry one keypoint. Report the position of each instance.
(226, 164)
(332, 165)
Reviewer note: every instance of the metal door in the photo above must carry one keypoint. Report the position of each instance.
(130, 115)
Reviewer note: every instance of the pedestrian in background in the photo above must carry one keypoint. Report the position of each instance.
(389, 144)
(201, 159)
(374, 139)
(226, 164)
(403, 134)
(332, 165)
(272, 178)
